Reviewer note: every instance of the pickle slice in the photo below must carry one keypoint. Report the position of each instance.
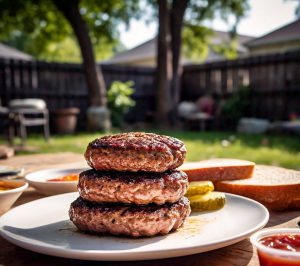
(199, 187)
(207, 202)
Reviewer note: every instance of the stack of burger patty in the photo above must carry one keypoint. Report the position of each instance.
(133, 188)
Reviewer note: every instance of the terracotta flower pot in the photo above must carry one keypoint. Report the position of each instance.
(65, 120)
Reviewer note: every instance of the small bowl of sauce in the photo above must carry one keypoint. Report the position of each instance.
(55, 181)
(278, 247)
(65, 178)
(10, 191)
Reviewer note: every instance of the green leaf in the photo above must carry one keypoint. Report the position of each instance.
(119, 100)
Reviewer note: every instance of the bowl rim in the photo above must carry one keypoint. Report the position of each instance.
(254, 239)
(29, 179)
(17, 189)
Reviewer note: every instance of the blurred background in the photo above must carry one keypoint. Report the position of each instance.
(222, 75)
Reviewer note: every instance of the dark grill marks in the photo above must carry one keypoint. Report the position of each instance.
(135, 151)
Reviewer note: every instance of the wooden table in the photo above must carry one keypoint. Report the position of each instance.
(239, 254)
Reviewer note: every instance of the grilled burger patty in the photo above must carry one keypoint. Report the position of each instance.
(129, 220)
(132, 187)
(135, 151)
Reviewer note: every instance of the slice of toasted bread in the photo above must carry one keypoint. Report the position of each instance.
(218, 169)
(275, 187)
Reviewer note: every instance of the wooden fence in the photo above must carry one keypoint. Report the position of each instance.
(274, 81)
(63, 85)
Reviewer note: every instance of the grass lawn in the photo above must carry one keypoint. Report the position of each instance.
(262, 149)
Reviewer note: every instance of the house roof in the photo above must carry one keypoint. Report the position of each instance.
(147, 49)
(221, 36)
(289, 32)
(12, 53)
(143, 51)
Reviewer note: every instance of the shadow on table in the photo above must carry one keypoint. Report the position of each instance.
(227, 256)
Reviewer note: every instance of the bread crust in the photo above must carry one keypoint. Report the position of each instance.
(218, 170)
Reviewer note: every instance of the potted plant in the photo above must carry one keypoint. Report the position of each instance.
(119, 101)
(65, 120)
(235, 107)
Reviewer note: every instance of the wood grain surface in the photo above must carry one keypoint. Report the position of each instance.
(239, 254)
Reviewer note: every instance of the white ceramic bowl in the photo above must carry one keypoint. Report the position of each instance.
(39, 180)
(8, 197)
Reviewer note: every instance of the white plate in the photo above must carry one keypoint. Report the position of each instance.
(39, 180)
(43, 226)
(10, 171)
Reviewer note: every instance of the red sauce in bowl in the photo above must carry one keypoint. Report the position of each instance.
(285, 242)
(70, 177)
(289, 242)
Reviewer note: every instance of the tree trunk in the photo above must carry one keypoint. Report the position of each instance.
(176, 24)
(93, 74)
(164, 71)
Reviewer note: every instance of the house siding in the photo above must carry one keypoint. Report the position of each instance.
(275, 48)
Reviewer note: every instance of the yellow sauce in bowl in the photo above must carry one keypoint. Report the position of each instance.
(69, 177)
(8, 185)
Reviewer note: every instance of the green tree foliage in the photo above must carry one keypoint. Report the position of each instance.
(195, 42)
(65, 50)
(36, 27)
(197, 39)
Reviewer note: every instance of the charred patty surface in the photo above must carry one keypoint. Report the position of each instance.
(129, 220)
(135, 151)
(132, 187)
